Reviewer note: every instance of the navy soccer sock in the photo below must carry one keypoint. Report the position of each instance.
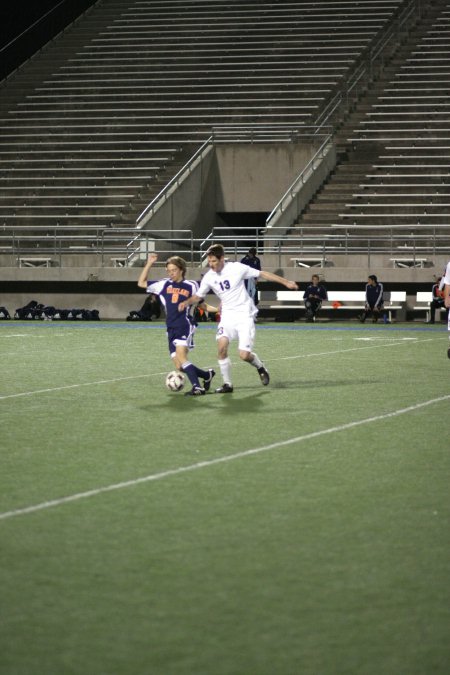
(193, 373)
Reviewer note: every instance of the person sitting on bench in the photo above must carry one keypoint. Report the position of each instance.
(313, 296)
(437, 301)
(374, 299)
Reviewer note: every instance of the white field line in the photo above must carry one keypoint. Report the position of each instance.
(75, 386)
(218, 460)
(135, 377)
(401, 341)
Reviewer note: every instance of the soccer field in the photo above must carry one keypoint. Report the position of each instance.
(295, 529)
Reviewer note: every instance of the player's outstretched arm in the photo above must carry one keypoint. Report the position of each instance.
(269, 276)
(194, 299)
(209, 308)
(143, 277)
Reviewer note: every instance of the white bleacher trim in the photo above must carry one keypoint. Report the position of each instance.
(59, 206)
(30, 199)
(352, 227)
(71, 188)
(378, 205)
(69, 176)
(390, 176)
(387, 139)
(393, 195)
(408, 166)
(399, 185)
(61, 216)
(422, 217)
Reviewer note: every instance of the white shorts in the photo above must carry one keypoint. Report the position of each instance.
(238, 328)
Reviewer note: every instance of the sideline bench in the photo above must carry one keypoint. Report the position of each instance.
(409, 262)
(35, 262)
(119, 262)
(423, 299)
(289, 301)
(311, 261)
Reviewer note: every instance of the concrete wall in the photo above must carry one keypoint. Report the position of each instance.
(230, 178)
(236, 178)
(299, 196)
(351, 268)
(113, 291)
(191, 205)
(112, 306)
(253, 177)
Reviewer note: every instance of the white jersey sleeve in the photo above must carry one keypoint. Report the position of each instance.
(446, 277)
(156, 286)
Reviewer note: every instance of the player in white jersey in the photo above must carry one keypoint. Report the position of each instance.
(446, 285)
(237, 310)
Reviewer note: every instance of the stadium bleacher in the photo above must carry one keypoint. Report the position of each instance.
(406, 125)
(97, 123)
(110, 110)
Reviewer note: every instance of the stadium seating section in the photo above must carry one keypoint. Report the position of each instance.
(95, 125)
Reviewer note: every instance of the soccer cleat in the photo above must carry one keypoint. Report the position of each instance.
(448, 352)
(264, 376)
(196, 391)
(207, 381)
(225, 389)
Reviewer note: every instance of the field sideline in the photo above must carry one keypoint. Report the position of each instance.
(296, 529)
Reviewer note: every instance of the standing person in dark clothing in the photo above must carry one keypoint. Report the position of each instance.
(437, 301)
(252, 260)
(313, 296)
(374, 299)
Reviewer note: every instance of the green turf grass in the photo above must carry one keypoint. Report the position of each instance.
(326, 555)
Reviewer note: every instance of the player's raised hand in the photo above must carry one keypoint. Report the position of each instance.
(153, 257)
(292, 285)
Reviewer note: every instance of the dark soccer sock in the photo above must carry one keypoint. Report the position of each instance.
(193, 373)
(204, 374)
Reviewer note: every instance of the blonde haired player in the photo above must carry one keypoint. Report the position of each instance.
(238, 311)
(180, 325)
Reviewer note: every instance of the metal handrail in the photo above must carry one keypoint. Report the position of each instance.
(362, 69)
(281, 132)
(301, 179)
(331, 241)
(164, 194)
(365, 65)
(90, 231)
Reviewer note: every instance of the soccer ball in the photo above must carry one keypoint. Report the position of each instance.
(175, 381)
